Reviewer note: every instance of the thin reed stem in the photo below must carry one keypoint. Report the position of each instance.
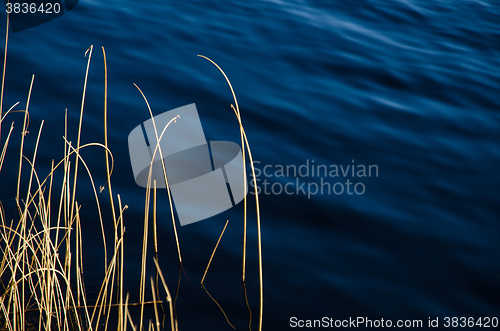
(213, 253)
(3, 72)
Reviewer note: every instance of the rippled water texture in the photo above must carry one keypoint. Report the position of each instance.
(411, 87)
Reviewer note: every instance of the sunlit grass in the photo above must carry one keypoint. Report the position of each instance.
(42, 247)
(41, 270)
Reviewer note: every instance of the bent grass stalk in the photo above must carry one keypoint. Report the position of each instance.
(158, 139)
(259, 234)
(206, 270)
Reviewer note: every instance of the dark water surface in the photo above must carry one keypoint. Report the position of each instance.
(409, 87)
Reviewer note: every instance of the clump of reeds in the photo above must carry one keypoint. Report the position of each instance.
(41, 270)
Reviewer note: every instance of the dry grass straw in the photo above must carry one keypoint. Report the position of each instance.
(213, 253)
(206, 270)
(246, 146)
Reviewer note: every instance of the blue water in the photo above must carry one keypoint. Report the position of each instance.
(409, 86)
